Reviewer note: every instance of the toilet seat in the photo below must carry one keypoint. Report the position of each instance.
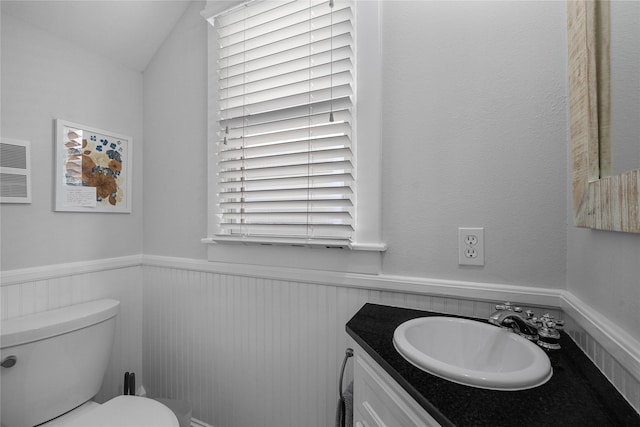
(124, 411)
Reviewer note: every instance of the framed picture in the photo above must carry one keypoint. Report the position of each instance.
(93, 169)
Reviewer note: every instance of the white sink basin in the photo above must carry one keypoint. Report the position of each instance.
(472, 353)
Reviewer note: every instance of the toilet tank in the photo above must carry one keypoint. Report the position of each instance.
(61, 358)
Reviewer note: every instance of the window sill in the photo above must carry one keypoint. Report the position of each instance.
(329, 244)
(365, 258)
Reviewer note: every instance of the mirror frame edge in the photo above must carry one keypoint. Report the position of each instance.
(612, 202)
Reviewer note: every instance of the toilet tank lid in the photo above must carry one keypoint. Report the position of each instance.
(46, 324)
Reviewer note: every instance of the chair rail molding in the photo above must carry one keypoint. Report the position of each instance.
(45, 272)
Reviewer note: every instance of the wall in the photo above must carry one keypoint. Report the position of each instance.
(175, 126)
(603, 269)
(44, 78)
(474, 134)
(51, 259)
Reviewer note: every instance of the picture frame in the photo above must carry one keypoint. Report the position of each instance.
(93, 169)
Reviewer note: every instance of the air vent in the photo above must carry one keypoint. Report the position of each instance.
(15, 171)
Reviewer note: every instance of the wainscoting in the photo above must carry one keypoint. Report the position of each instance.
(265, 351)
(262, 346)
(256, 352)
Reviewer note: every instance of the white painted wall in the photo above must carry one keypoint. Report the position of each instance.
(603, 270)
(44, 78)
(474, 134)
(175, 155)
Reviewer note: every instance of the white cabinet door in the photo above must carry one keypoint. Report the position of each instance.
(380, 402)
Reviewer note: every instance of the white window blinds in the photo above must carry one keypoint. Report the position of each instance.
(285, 97)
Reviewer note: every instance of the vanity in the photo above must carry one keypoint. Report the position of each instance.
(390, 391)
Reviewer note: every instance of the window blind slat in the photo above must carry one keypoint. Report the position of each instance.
(331, 168)
(303, 74)
(289, 218)
(247, 45)
(310, 158)
(308, 50)
(285, 136)
(253, 10)
(298, 101)
(288, 206)
(310, 84)
(253, 14)
(280, 230)
(340, 116)
(277, 20)
(285, 165)
(283, 115)
(334, 55)
(287, 183)
(333, 193)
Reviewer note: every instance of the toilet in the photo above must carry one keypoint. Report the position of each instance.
(53, 364)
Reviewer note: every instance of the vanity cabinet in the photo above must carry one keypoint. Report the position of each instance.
(379, 401)
(389, 391)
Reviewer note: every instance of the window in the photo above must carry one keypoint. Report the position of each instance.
(283, 127)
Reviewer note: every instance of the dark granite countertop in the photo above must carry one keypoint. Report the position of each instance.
(577, 394)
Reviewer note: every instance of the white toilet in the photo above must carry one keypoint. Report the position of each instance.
(53, 363)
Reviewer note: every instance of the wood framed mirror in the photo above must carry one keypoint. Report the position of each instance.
(601, 200)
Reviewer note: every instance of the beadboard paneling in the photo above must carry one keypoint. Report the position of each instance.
(246, 351)
(617, 373)
(19, 296)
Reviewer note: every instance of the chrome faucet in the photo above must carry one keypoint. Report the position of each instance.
(543, 331)
(511, 317)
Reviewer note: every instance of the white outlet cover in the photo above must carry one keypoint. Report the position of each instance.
(465, 248)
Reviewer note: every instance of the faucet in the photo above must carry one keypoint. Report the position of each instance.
(543, 331)
(511, 317)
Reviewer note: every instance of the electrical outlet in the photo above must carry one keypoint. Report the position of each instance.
(470, 246)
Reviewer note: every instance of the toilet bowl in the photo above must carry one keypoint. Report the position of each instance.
(53, 364)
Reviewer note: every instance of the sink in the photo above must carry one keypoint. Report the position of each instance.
(472, 353)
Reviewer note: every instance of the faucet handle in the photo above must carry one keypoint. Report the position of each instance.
(529, 314)
(548, 332)
(505, 306)
(551, 322)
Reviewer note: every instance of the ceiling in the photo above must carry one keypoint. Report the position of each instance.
(126, 31)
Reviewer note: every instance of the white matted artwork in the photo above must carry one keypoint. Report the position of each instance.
(93, 169)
